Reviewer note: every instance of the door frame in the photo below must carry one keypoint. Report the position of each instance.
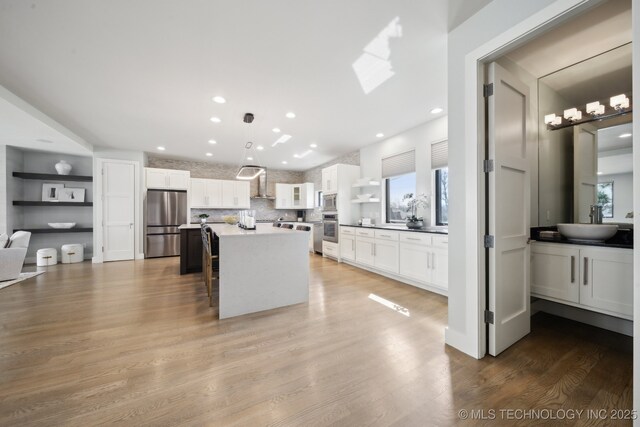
(474, 341)
(98, 228)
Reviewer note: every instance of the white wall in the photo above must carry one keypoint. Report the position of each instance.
(484, 35)
(622, 196)
(10, 189)
(636, 209)
(419, 138)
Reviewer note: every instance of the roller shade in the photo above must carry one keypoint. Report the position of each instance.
(399, 164)
(439, 155)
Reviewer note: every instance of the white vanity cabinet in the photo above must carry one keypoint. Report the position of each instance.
(166, 179)
(590, 277)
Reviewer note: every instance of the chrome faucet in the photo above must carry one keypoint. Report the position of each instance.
(595, 213)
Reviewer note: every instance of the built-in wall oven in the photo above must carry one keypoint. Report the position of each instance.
(329, 202)
(330, 227)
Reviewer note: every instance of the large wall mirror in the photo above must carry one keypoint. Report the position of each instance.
(589, 161)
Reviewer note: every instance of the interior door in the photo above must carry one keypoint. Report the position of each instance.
(118, 183)
(508, 210)
(585, 170)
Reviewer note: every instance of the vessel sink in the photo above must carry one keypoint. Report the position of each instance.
(588, 232)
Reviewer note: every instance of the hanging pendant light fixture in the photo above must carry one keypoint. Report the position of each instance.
(248, 172)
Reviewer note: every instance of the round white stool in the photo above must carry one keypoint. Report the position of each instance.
(46, 256)
(72, 253)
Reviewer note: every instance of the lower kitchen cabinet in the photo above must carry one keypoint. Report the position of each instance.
(364, 251)
(347, 244)
(593, 278)
(413, 261)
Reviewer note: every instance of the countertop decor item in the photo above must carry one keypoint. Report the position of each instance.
(62, 224)
(230, 219)
(413, 203)
(63, 167)
(51, 192)
(203, 218)
(71, 195)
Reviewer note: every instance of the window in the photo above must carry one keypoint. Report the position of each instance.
(605, 198)
(396, 188)
(442, 196)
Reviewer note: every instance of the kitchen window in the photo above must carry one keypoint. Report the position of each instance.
(396, 188)
(442, 196)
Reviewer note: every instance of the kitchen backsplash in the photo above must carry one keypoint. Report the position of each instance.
(264, 208)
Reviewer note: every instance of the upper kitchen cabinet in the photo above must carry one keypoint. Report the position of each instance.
(235, 194)
(167, 179)
(294, 196)
(339, 177)
(206, 193)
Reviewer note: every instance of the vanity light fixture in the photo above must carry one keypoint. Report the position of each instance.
(573, 114)
(619, 102)
(552, 119)
(595, 108)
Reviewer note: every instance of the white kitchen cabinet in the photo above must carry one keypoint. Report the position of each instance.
(283, 196)
(330, 249)
(413, 257)
(439, 268)
(386, 255)
(364, 251)
(206, 193)
(330, 179)
(593, 278)
(235, 194)
(169, 179)
(347, 244)
(294, 196)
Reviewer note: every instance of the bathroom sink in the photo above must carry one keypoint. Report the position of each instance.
(588, 232)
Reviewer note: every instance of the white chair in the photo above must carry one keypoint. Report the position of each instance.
(12, 257)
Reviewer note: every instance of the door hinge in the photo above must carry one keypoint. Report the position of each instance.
(487, 166)
(488, 317)
(487, 90)
(489, 241)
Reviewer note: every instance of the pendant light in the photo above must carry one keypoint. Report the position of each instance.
(248, 172)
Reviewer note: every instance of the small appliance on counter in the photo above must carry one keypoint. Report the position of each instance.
(247, 219)
(300, 215)
(366, 222)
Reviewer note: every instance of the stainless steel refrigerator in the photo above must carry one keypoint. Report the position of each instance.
(166, 211)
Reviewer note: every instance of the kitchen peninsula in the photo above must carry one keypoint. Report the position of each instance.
(260, 269)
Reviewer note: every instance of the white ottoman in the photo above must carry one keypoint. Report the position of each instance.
(46, 256)
(71, 253)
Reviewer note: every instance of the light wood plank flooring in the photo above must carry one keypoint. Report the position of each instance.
(137, 344)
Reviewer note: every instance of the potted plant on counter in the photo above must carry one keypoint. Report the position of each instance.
(413, 204)
(203, 218)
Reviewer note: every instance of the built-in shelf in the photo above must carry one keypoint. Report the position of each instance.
(52, 176)
(38, 203)
(366, 184)
(55, 230)
(372, 200)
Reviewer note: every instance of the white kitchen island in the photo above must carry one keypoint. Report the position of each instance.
(260, 269)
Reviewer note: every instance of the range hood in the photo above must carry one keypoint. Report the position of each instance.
(262, 187)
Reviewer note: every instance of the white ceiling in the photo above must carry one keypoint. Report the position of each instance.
(137, 75)
(615, 154)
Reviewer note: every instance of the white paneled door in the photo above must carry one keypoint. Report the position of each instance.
(118, 189)
(508, 210)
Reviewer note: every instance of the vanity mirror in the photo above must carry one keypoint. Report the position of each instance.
(585, 151)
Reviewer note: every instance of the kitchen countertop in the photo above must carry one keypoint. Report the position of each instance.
(227, 230)
(434, 230)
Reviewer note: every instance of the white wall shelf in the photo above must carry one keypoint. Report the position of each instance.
(372, 200)
(366, 184)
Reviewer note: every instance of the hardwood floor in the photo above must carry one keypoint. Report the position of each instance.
(137, 344)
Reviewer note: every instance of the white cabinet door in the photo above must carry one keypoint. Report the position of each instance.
(296, 196)
(178, 180)
(214, 193)
(118, 210)
(386, 255)
(364, 251)
(325, 180)
(555, 272)
(607, 279)
(283, 196)
(198, 193)
(155, 178)
(348, 247)
(440, 268)
(330, 179)
(413, 261)
(243, 198)
(228, 194)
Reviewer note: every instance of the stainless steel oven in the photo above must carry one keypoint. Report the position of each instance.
(330, 227)
(329, 202)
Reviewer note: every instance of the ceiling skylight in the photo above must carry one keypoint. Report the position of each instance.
(284, 138)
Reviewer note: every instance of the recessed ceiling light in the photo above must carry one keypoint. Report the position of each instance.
(436, 110)
(161, 148)
(249, 158)
(284, 162)
(213, 142)
(260, 147)
(313, 145)
(219, 99)
(290, 115)
(209, 154)
(276, 130)
(379, 135)
(625, 135)
(215, 119)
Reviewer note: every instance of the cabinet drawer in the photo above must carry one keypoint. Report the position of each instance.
(416, 238)
(440, 241)
(365, 233)
(387, 235)
(348, 230)
(330, 249)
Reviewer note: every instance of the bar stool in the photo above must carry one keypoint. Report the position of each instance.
(303, 228)
(208, 261)
(289, 226)
(276, 224)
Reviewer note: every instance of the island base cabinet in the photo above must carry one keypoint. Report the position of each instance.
(598, 279)
(413, 262)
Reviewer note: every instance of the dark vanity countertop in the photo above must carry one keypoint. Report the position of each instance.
(434, 230)
(623, 239)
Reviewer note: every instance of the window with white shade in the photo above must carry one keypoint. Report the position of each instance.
(439, 166)
(399, 172)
